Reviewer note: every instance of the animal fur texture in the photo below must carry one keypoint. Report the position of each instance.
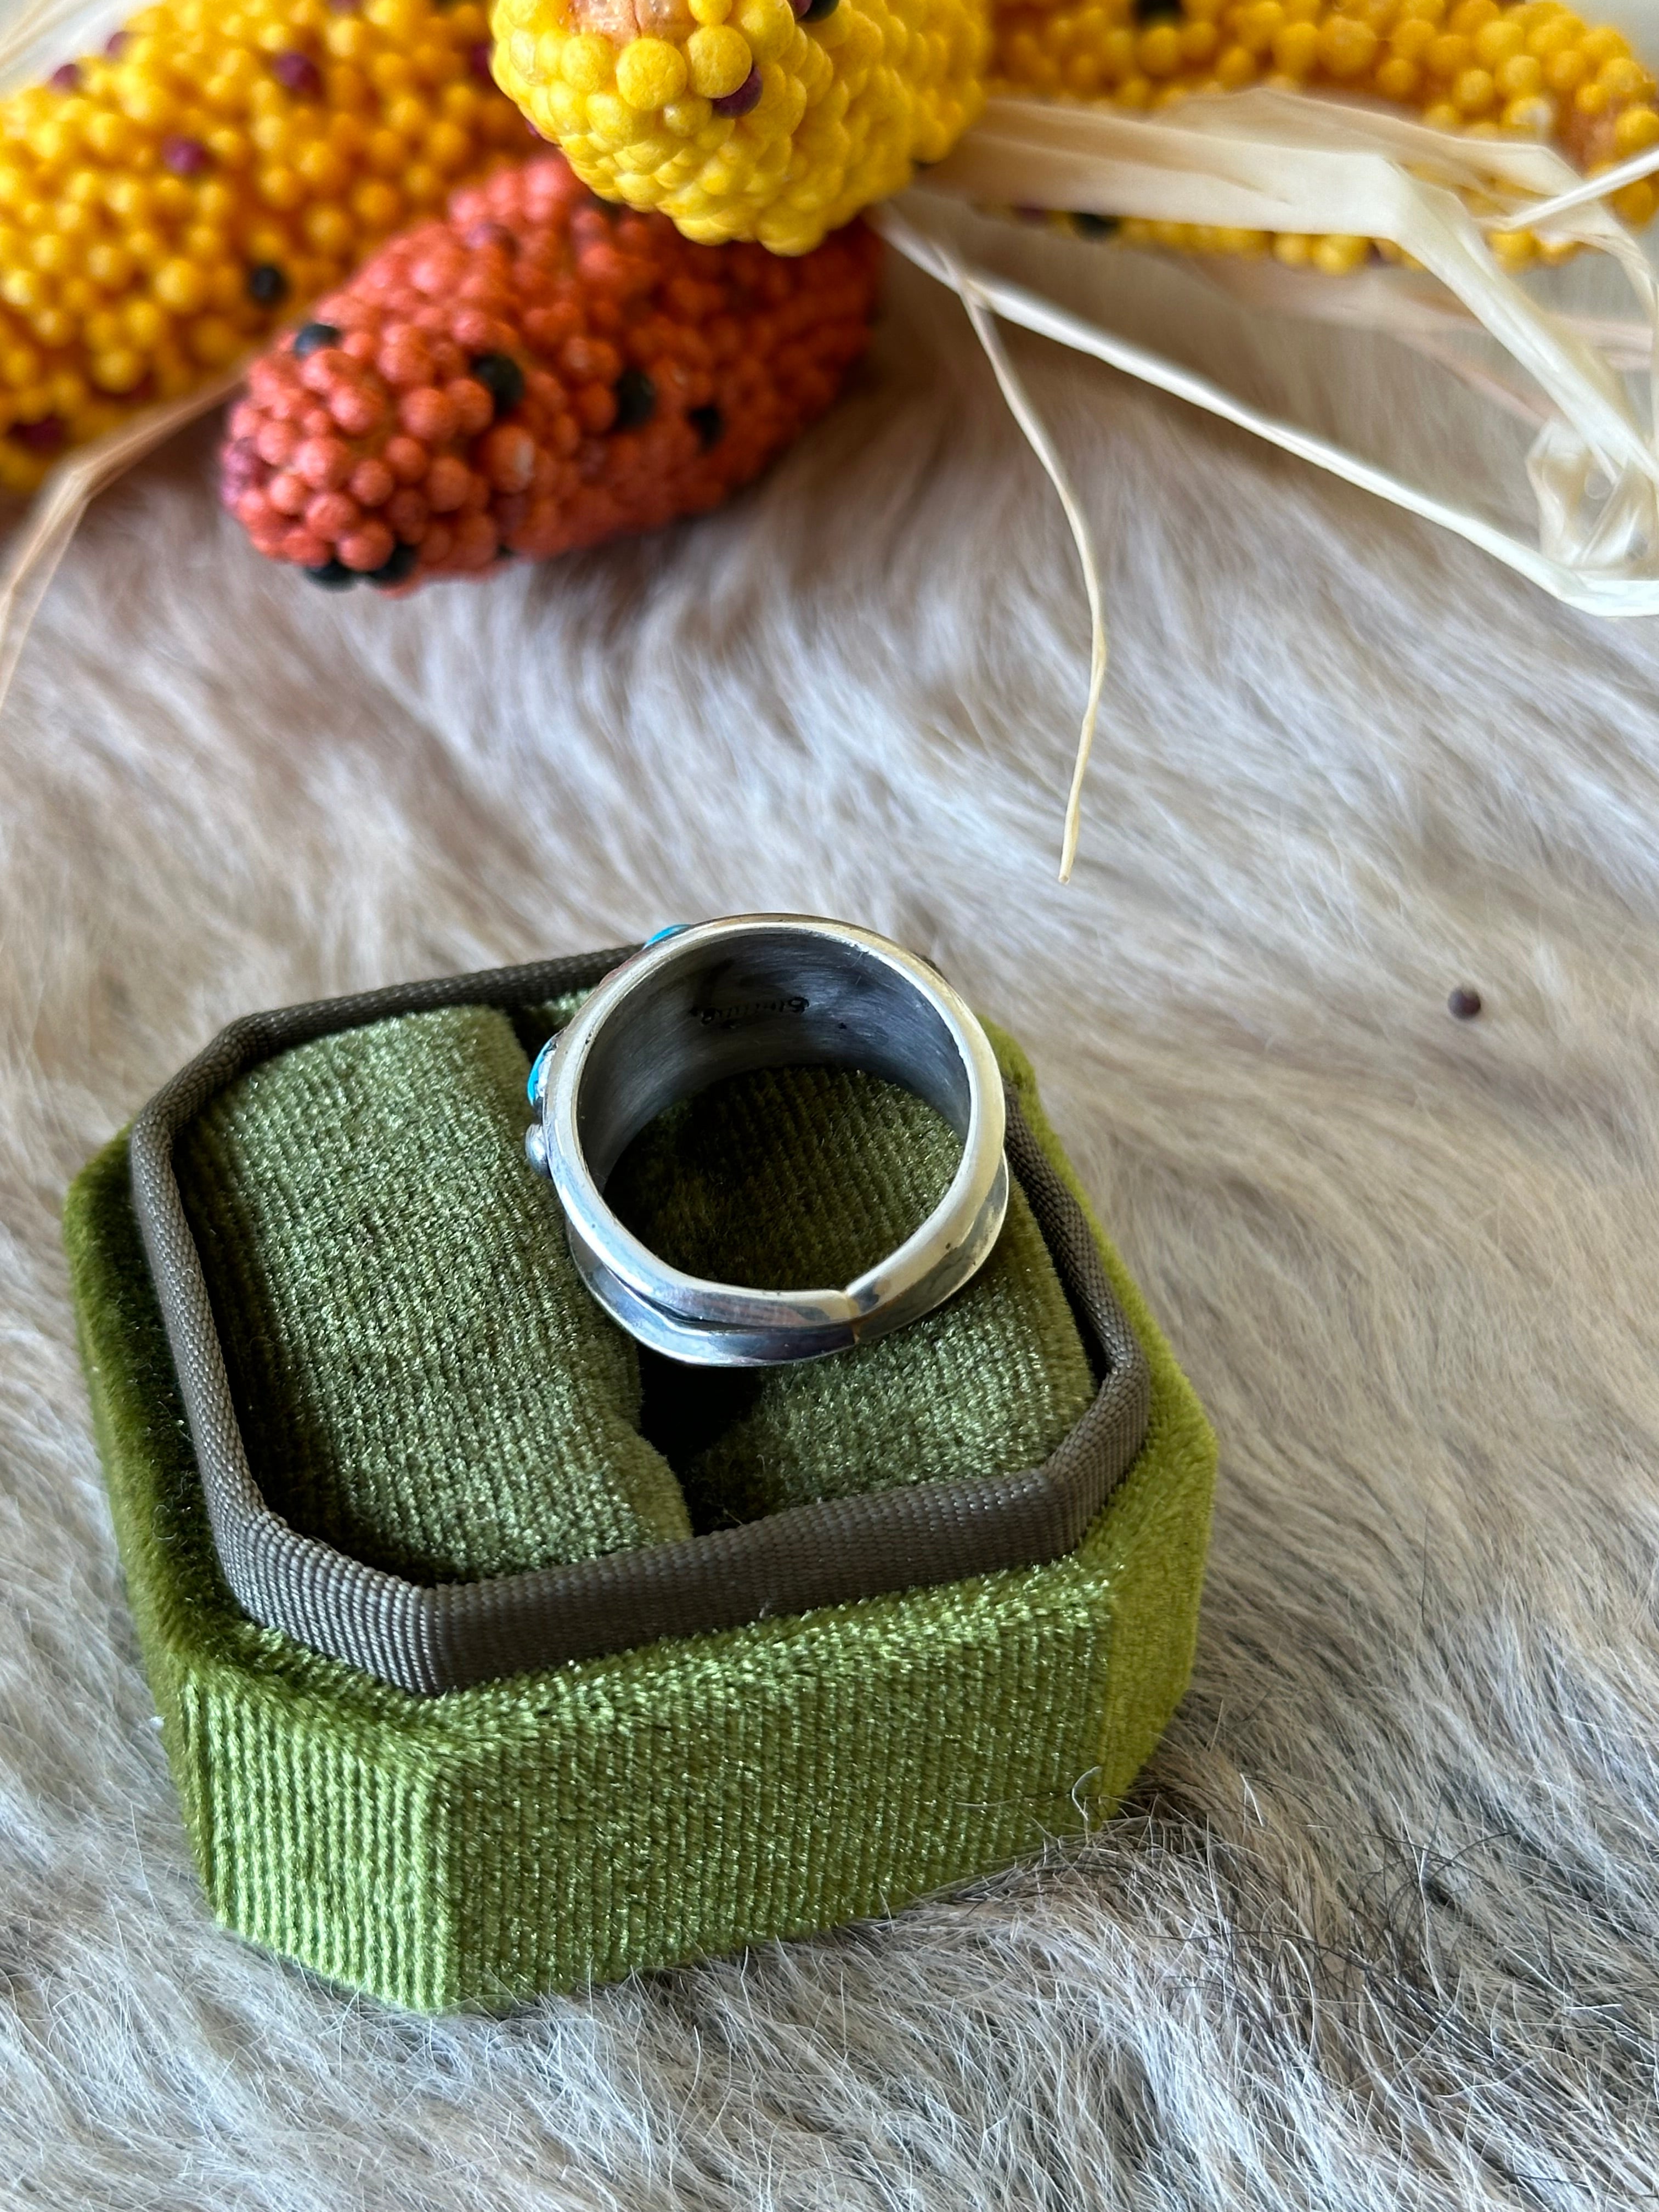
(1376, 1928)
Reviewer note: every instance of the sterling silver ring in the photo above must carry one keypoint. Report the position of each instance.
(728, 998)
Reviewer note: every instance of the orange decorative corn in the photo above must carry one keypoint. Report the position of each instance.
(1533, 71)
(167, 201)
(540, 371)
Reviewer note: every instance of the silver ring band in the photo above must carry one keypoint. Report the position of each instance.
(728, 998)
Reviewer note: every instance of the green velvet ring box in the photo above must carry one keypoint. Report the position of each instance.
(419, 1380)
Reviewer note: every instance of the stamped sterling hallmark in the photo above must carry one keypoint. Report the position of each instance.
(727, 1017)
(728, 998)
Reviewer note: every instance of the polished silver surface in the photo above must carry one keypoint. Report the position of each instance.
(726, 998)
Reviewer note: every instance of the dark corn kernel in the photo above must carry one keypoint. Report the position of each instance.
(399, 563)
(267, 286)
(636, 399)
(1093, 226)
(185, 157)
(501, 378)
(333, 577)
(311, 337)
(738, 103)
(818, 9)
(45, 436)
(1464, 1003)
(708, 424)
(298, 74)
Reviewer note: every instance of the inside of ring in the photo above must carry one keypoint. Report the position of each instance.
(771, 997)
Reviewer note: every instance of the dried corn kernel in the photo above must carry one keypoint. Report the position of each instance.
(1532, 68)
(746, 119)
(164, 201)
(541, 371)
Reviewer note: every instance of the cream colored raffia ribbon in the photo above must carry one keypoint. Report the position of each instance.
(980, 315)
(1601, 187)
(1273, 161)
(1416, 312)
(1016, 303)
(44, 535)
(1269, 161)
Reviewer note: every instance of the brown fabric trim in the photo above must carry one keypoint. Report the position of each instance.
(428, 1638)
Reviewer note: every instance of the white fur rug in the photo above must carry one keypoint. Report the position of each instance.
(1378, 1927)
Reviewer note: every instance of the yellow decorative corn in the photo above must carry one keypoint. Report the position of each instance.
(1534, 71)
(746, 119)
(165, 202)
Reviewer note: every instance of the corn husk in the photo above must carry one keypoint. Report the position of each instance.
(1584, 383)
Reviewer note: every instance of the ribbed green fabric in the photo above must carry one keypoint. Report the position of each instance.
(684, 1798)
(801, 1177)
(789, 1179)
(419, 1375)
